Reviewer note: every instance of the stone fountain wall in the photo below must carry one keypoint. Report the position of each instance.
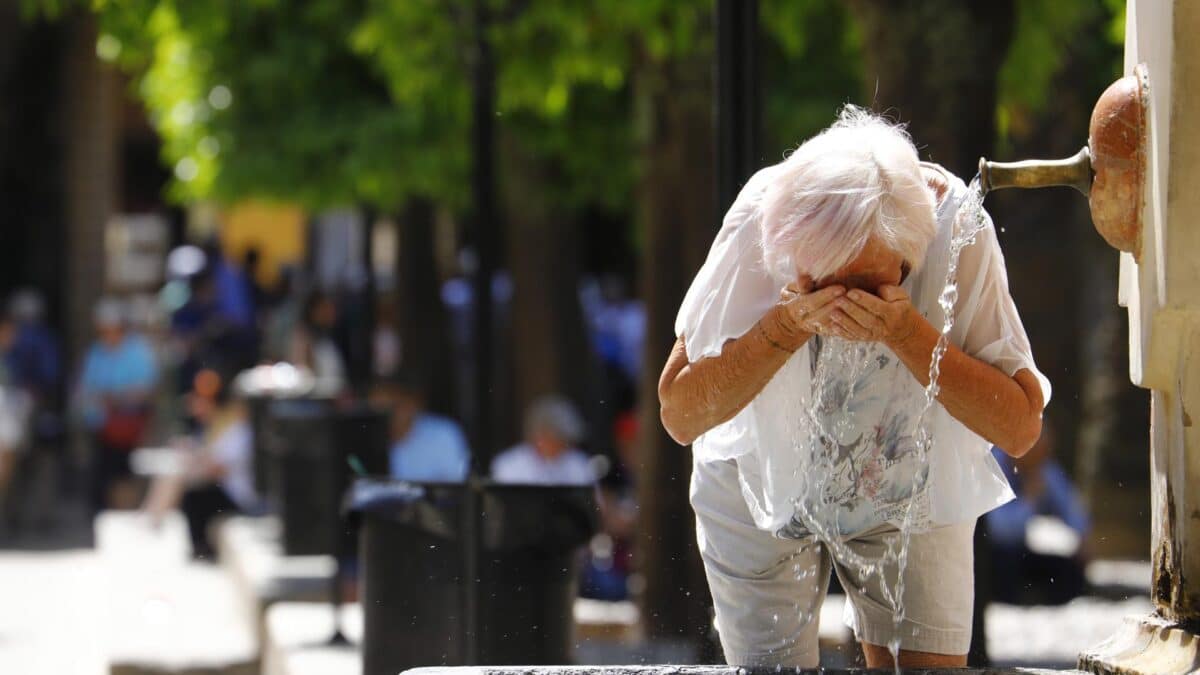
(1162, 291)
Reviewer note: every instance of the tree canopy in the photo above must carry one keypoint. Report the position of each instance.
(333, 102)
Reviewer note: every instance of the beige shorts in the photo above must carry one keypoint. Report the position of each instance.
(768, 591)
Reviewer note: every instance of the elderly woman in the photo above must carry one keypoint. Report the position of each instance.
(805, 344)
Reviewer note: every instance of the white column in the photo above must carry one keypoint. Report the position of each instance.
(1162, 292)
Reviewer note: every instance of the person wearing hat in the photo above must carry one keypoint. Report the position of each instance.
(548, 456)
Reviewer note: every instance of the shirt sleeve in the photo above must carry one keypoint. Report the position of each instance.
(732, 290)
(992, 330)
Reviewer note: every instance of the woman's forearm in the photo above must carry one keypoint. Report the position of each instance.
(695, 397)
(1007, 411)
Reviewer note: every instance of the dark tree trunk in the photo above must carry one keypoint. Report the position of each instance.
(31, 154)
(551, 352)
(91, 166)
(934, 65)
(678, 216)
(424, 330)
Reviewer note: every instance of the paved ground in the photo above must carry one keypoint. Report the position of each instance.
(54, 619)
(52, 616)
(56, 616)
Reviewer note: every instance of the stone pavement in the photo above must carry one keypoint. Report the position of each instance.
(137, 598)
(52, 613)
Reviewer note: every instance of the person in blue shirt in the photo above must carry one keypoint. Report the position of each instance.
(1023, 575)
(34, 361)
(425, 447)
(115, 386)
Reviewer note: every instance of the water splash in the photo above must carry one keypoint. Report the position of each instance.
(816, 510)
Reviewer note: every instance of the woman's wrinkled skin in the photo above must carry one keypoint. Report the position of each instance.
(862, 301)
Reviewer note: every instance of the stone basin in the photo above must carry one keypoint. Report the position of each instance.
(712, 670)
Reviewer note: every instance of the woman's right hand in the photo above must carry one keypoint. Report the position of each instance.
(807, 310)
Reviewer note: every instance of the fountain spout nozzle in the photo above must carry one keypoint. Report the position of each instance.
(1074, 171)
(1110, 170)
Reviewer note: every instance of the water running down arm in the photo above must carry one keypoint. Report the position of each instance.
(1005, 410)
(695, 397)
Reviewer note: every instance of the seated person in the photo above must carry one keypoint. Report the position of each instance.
(1023, 575)
(425, 447)
(610, 559)
(217, 477)
(548, 456)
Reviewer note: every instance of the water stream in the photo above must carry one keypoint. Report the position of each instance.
(828, 416)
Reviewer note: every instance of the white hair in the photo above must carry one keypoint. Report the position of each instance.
(555, 415)
(109, 312)
(858, 178)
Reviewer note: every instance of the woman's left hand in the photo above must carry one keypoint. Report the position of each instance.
(888, 317)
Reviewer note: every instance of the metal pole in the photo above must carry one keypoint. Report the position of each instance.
(483, 223)
(368, 319)
(738, 95)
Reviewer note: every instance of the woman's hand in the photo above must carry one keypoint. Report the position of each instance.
(888, 317)
(807, 311)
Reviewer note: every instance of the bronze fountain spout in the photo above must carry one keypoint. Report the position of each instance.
(1074, 171)
(1110, 169)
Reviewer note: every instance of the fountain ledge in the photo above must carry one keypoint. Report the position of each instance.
(712, 670)
(1148, 644)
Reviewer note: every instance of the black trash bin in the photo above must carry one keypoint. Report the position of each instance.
(259, 387)
(258, 406)
(311, 442)
(421, 542)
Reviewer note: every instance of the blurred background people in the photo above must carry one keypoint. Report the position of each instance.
(548, 456)
(234, 288)
(33, 359)
(14, 414)
(425, 446)
(113, 394)
(386, 347)
(313, 345)
(33, 368)
(283, 314)
(610, 560)
(1038, 540)
(216, 477)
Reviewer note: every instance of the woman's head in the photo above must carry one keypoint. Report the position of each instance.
(859, 182)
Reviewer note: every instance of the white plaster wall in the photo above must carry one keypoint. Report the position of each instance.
(1162, 290)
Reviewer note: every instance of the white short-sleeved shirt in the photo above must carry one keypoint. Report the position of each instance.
(862, 460)
(522, 464)
(232, 448)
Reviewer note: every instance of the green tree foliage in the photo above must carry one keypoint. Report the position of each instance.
(276, 99)
(812, 64)
(1044, 34)
(367, 101)
(564, 76)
